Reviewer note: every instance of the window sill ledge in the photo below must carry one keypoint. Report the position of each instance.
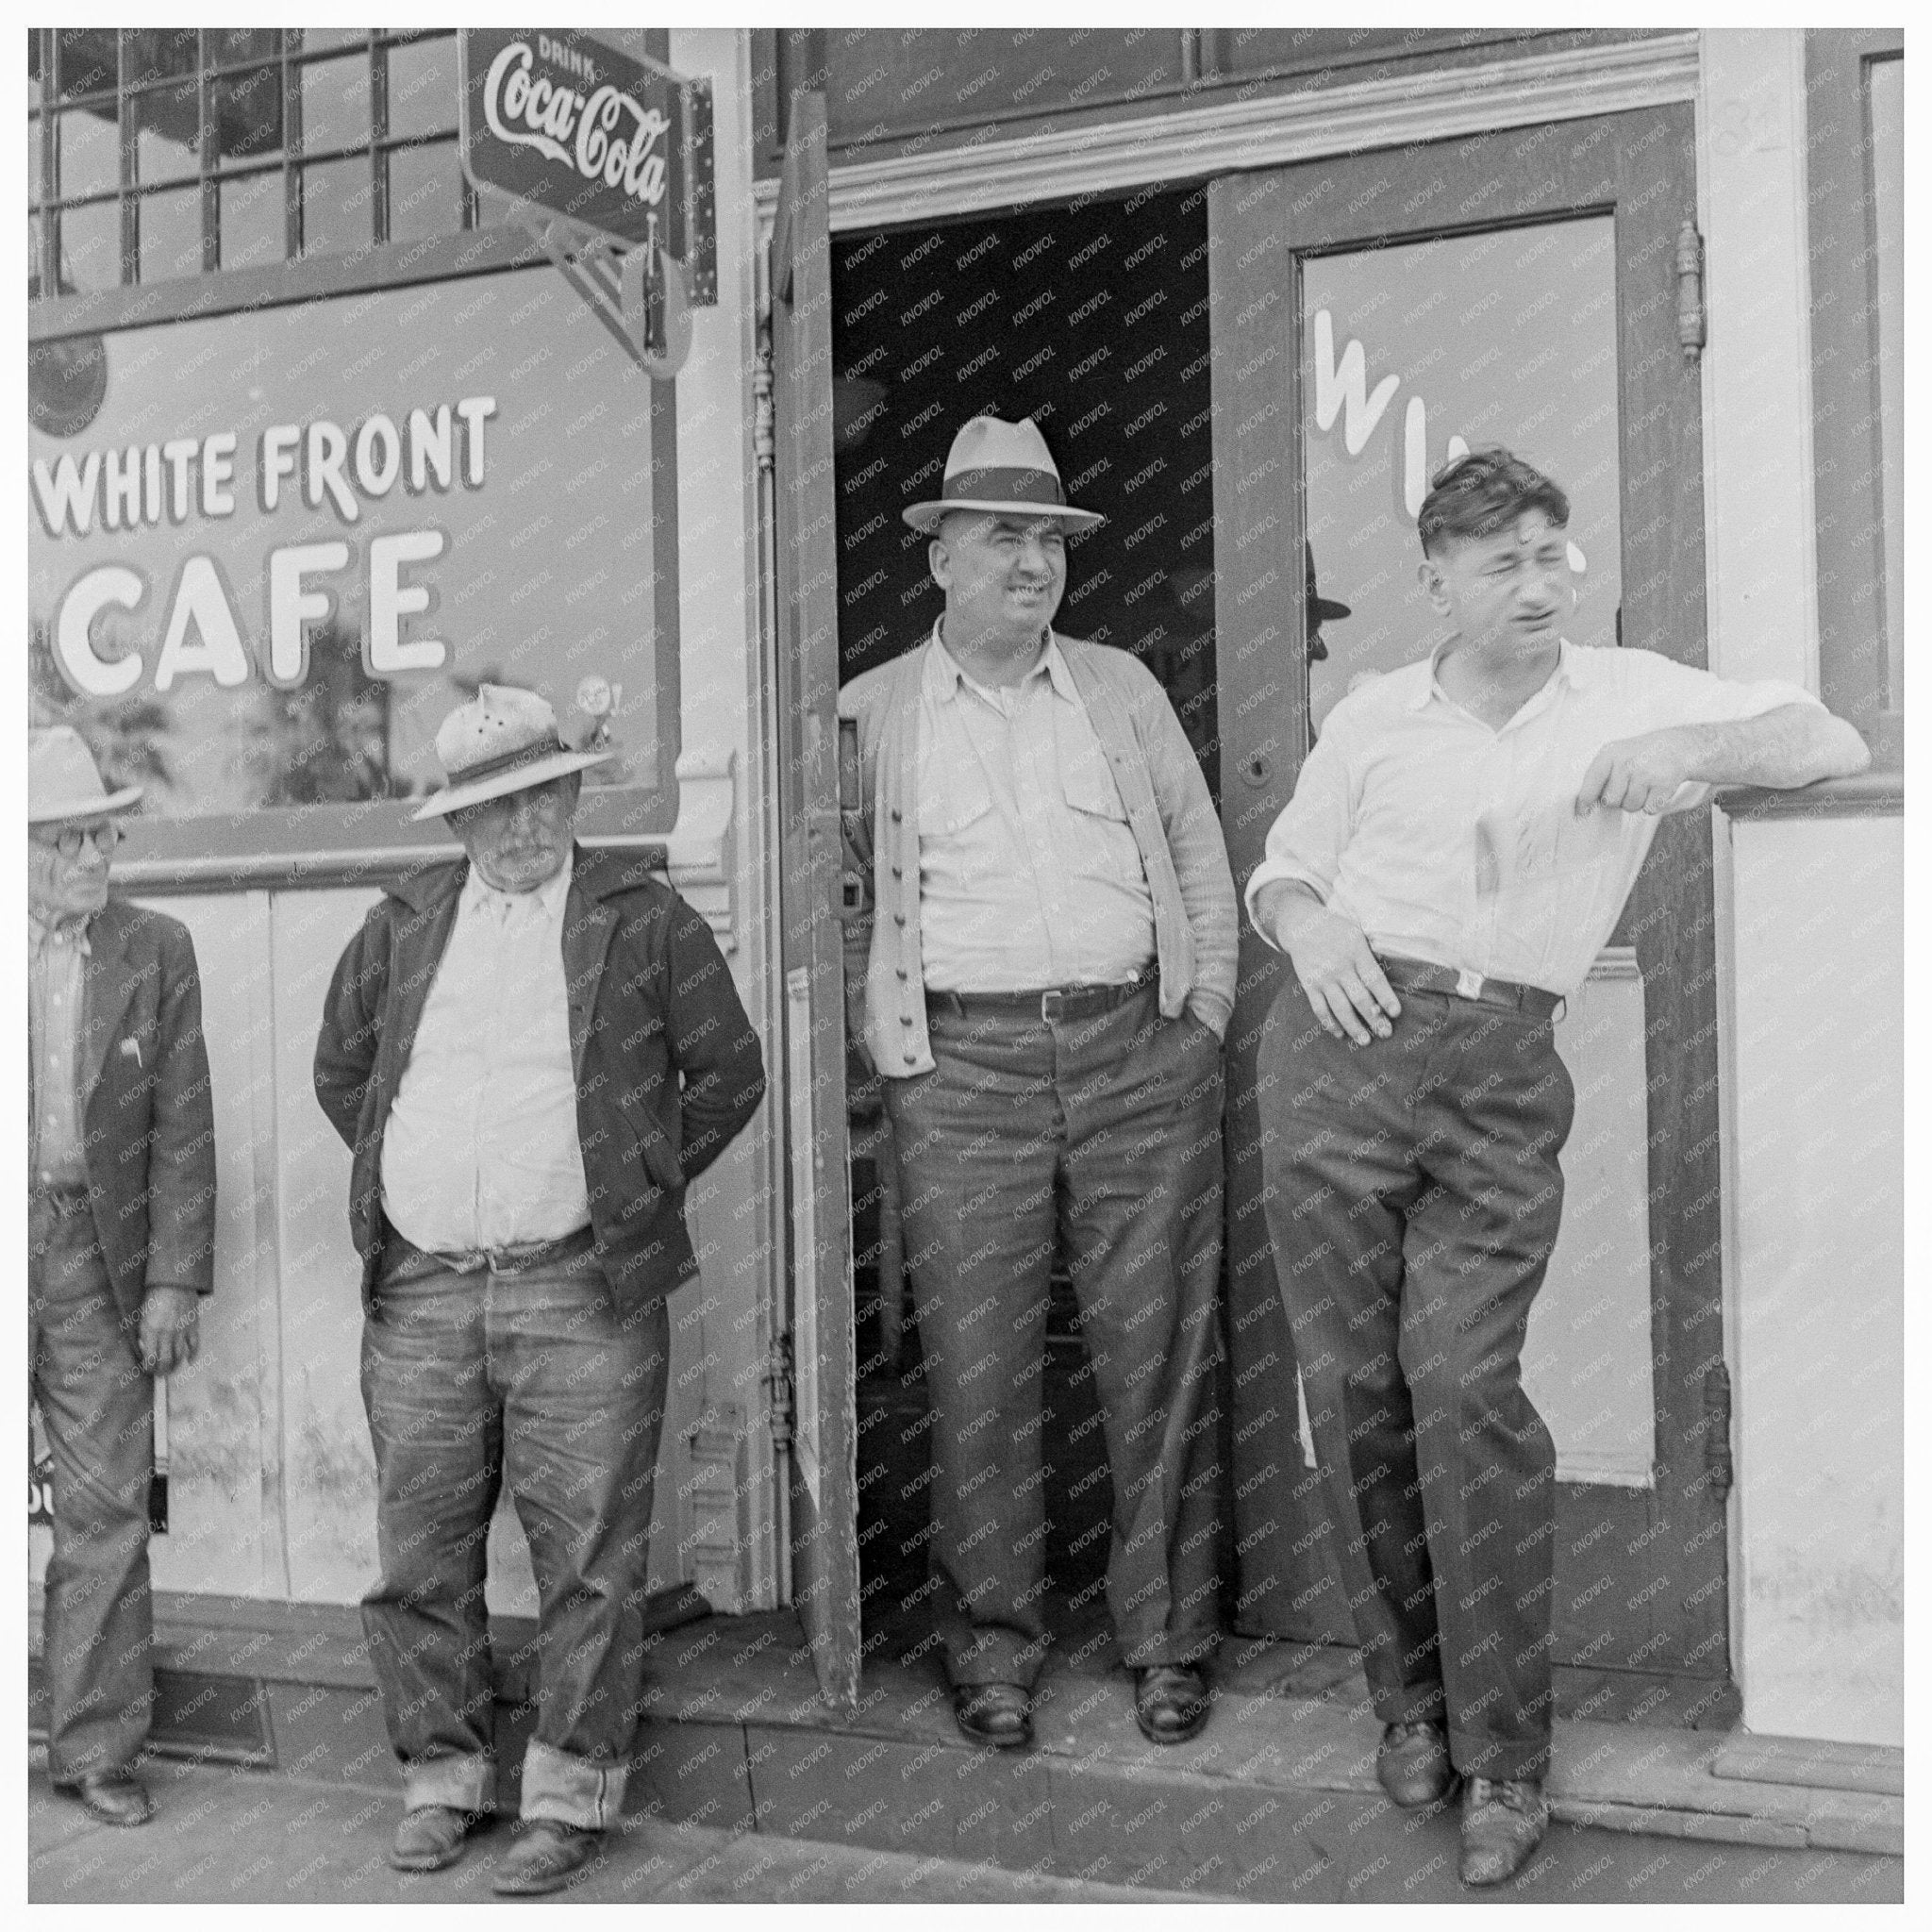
(1871, 794)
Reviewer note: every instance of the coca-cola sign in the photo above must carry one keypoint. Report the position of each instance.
(570, 124)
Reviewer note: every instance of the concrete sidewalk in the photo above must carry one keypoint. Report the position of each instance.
(232, 1835)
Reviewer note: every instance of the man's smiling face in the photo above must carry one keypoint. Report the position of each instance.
(1003, 576)
(1509, 593)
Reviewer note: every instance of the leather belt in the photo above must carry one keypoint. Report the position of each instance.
(1419, 976)
(403, 1260)
(1049, 1003)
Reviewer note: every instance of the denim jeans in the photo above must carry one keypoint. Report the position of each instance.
(1100, 1136)
(97, 1404)
(1413, 1197)
(535, 1379)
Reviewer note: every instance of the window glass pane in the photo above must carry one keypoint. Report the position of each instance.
(247, 110)
(89, 153)
(425, 192)
(1508, 337)
(335, 103)
(161, 53)
(85, 64)
(337, 208)
(1886, 95)
(33, 157)
(422, 88)
(254, 227)
(319, 40)
(341, 733)
(229, 46)
(171, 234)
(167, 123)
(90, 247)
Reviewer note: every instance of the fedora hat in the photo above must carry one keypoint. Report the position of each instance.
(63, 781)
(1004, 469)
(503, 740)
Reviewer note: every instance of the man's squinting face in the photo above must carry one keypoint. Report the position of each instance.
(60, 888)
(1004, 576)
(522, 840)
(1513, 591)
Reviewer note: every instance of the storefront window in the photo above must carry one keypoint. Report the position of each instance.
(289, 540)
(176, 150)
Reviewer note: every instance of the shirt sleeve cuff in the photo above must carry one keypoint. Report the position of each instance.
(1274, 872)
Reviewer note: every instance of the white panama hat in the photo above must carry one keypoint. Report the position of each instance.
(503, 740)
(1004, 469)
(63, 781)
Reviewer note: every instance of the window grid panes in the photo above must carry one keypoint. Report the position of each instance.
(154, 153)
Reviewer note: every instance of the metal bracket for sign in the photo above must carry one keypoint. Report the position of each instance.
(636, 293)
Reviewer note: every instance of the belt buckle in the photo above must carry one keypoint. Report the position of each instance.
(1047, 1014)
(1469, 985)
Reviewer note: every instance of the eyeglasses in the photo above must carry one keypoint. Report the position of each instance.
(105, 837)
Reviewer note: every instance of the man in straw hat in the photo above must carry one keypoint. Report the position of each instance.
(1051, 968)
(531, 1051)
(120, 1192)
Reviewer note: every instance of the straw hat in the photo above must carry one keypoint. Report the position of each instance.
(1005, 468)
(63, 781)
(503, 740)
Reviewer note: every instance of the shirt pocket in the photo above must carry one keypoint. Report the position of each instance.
(951, 800)
(1086, 785)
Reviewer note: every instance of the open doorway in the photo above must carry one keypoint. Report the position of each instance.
(1092, 318)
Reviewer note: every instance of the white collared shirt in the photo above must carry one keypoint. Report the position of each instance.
(1447, 841)
(1029, 873)
(481, 1149)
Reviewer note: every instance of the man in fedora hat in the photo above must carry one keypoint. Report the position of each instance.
(531, 1051)
(120, 1192)
(1050, 970)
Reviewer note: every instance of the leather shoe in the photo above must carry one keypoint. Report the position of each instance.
(115, 1797)
(1171, 1702)
(1502, 1823)
(545, 1853)
(429, 1838)
(996, 1714)
(1413, 1763)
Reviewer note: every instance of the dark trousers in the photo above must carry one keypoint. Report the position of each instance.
(472, 1380)
(97, 1404)
(1413, 1197)
(1102, 1135)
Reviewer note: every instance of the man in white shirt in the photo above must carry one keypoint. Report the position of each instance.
(1460, 846)
(532, 1054)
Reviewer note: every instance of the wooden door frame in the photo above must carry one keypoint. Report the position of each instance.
(824, 1473)
(1641, 167)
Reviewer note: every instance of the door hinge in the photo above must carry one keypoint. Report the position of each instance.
(1690, 329)
(1717, 1429)
(781, 1392)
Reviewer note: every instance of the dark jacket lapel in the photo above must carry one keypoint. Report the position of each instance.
(587, 924)
(108, 984)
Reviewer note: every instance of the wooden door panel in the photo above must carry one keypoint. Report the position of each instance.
(1641, 1571)
(818, 1216)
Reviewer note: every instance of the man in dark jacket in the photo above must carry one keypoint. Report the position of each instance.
(532, 1054)
(121, 1205)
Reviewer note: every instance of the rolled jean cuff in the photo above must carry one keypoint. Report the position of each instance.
(457, 1783)
(573, 1791)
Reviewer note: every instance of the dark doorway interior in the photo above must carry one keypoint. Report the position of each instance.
(1093, 319)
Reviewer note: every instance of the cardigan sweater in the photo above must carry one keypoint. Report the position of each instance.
(1168, 808)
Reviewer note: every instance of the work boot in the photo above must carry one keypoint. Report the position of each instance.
(115, 1796)
(545, 1854)
(429, 1838)
(1171, 1702)
(1502, 1823)
(1413, 1763)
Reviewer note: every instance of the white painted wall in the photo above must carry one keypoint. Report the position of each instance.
(1817, 1300)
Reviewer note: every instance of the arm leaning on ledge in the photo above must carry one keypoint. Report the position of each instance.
(1657, 772)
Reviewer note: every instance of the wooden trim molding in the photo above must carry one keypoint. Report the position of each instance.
(1263, 131)
(1871, 794)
